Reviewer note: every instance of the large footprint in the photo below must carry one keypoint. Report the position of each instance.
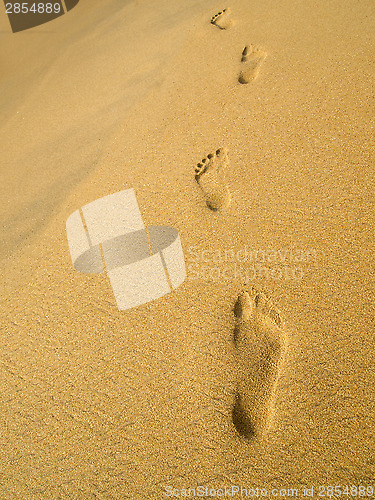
(210, 175)
(252, 59)
(260, 340)
(223, 19)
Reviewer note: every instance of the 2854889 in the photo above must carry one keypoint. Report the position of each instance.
(35, 8)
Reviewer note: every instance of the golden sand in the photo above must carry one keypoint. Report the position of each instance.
(98, 403)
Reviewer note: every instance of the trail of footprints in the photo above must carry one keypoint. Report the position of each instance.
(259, 335)
(210, 172)
(252, 57)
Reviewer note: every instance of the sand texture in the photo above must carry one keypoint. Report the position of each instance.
(250, 130)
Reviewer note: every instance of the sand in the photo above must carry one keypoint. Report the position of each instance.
(98, 403)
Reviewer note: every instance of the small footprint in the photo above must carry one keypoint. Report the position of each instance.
(252, 58)
(260, 341)
(223, 20)
(210, 175)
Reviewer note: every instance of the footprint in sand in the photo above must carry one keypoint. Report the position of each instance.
(252, 59)
(210, 175)
(260, 341)
(223, 19)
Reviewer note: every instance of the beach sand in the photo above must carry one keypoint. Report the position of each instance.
(98, 403)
